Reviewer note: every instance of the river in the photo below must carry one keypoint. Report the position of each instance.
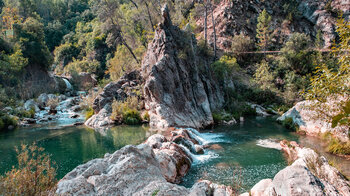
(248, 150)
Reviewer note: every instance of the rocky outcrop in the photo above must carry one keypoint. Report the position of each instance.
(147, 169)
(119, 90)
(309, 120)
(84, 81)
(178, 90)
(237, 16)
(310, 174)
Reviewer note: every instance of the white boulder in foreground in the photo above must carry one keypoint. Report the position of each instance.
(310, 174)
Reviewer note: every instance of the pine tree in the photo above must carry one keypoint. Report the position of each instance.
(263, 30)
(263, 76)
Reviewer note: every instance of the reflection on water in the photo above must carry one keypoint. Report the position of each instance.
(70, 146)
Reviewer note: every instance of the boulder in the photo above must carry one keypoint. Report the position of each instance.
(310, 174)
(129, 170)
(42, 100)
(177, 93)
(310, 122)
(101, 119)
(29, 104)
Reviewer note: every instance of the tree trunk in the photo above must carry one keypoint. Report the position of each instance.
(149, 16)
(205, 22)
(128, 47)
(134, 4)
(214, 31)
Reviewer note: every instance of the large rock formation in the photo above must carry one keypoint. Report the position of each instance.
(237, 16)
(118, 90)
(146, 169)
(310, 174)
(310, 121)
(179, 89)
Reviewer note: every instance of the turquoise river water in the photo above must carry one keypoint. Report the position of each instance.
(247, 149)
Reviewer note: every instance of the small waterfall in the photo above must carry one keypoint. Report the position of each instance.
(68, 85)
(203, 139)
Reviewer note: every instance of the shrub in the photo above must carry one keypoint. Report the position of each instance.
(240, 44)
(224, 67)
(35, 174)
(146, 117)
(7, 122)
(289, 124)
(126, 111)
(89, 112)
(131, 117)
(334, 145)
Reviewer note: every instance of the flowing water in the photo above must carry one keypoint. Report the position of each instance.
(248, 150)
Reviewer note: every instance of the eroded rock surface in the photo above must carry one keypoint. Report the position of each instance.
(150, 168)
(118, 90)
(237, 16)
(179, 90)
(308, 120)
(310, 174)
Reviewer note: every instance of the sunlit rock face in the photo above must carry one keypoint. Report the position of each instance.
(310, 174)
(237, 16)
(179, 89)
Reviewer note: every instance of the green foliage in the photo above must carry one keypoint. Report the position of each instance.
(263, 76)
(11, 65)
(240, 44)
(224, 67)
(263, 30)
(83, 65)
(146, 117)
(343, 117)
(131, 117)
(31, 40)
(35, 174)
(89, 112)
(296, 54)
(334, 145)
(7, 122)
(289, 124)
(123, 62)
(126, 111)
(328, 83)
(155, 192)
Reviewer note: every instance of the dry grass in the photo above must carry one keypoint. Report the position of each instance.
(35, 174)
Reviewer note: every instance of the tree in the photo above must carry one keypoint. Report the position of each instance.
(295, 54)
(333, 84)
(31, 39)
(263, 76)
(240, 44)
(263, 30)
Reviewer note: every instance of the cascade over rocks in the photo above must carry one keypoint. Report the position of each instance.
(179, 90)
(145, 169)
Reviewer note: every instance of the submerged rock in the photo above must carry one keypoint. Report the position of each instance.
(178, 90)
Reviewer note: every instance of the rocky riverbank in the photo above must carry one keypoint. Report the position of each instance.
(154, 167)
(309, 174)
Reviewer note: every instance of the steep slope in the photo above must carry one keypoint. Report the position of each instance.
(309, 16)
(179, 89)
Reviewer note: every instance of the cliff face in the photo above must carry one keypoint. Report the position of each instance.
(178, 89)
(234, 17)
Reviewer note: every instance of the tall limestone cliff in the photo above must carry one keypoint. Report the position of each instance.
(179, 89)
